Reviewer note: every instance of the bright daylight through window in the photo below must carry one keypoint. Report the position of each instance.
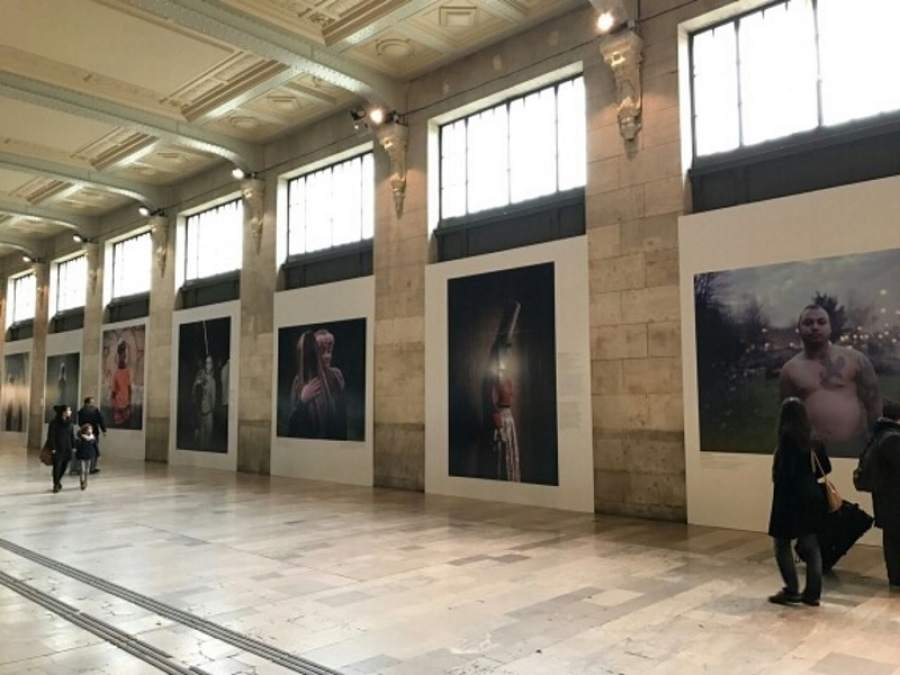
(524, 148)
(332, 206)
(792, 67)
(22, 294)
(131, 265)
(214, 241)
(71, 283)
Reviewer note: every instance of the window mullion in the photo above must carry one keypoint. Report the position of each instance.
(819, 110)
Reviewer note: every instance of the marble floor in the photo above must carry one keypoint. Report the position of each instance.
(380, 581)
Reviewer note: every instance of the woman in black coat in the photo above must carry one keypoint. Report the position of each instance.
(798, 503)
(86, 451)
(61, 440)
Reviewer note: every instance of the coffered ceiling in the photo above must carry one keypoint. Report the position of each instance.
(107, 102)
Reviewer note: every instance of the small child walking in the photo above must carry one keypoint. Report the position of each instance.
(86, 451)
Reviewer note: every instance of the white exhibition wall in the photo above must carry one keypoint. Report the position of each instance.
(69, 342)
(317, 459)
(735, 490)
(125, 443)
(575, 489)
(17, 347)
(226, 461)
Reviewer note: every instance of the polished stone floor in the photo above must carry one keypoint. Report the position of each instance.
(380, 581)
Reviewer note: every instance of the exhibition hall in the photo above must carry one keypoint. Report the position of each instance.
(449, 337)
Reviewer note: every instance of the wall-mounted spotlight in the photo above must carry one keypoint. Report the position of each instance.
(26, 258)
(358, 115)
(77, 238)
(144, 210)
(377, 115)
(605, 22)
(238, 173)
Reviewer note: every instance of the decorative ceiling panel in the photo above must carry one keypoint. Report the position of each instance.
(396, 54)
(10, 181)
(42, 127)
(30, 227)
(165, 164)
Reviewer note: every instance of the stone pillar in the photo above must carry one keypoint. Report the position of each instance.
(634, 196)
(93, 320)
(39, 355)
(257, 350)
(159, 341)
(400, 248)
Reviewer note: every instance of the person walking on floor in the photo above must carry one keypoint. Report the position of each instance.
(798, 503)
(90, 414)
(86, 451)
(879, 473)
(60, 440)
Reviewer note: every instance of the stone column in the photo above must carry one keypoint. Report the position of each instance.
(159, 340)
(257, 351)
(93, 320)
(633, 200)
(39, 355)
(400, 248)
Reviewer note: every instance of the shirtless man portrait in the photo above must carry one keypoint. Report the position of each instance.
(838, 385)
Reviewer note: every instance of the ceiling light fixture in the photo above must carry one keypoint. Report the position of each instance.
(26, 258)
(377, 115)
(144, 210)
(78, 238)
(238, 173)
(605, 22)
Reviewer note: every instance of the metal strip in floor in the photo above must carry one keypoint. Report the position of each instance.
(278, 656)
(125, 641)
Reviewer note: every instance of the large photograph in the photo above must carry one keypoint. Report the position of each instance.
(825, 330)
(15, 392)
(63, 375)
(322, 381)
(502, 376)
(122, 395)
(204, 353)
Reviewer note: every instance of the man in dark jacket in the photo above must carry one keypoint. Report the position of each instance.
(61, 440)
(90, 414)
(879, 473)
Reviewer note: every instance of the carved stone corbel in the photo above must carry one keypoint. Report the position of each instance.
(159, 233)
(253, 191)
(623, 53)
(92, 255)
(394, 138)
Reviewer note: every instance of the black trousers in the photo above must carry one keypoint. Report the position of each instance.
(60, 462)
(892, 554)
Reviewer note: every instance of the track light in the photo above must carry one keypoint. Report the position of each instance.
(605, 22)
(144, 210)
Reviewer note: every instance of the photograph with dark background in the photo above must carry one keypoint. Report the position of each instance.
(63, 376)
(122, 363)
(747, 333)
(16, 387)
(322, 381)
(204, 354)
(502, 375)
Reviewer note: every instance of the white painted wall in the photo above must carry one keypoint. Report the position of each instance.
(733, 490)
(210, 460)
(573, 374)
(125, 443)
(337, 461)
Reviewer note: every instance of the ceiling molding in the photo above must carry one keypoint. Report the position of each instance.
(505, 9)
(17, 87)
(30, 247)
(148, 194)
(213, 18)
(86, 226)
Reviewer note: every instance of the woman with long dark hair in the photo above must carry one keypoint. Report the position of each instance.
(798, 503)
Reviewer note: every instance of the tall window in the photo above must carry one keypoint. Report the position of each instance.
(332, 206)
(524, 148)
(214, 241)
(131, 265)
(71, 283)
(793, 66)
(22, 292)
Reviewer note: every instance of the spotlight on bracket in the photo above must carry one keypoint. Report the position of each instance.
(238, 173)
(377, 115)
(77, 238)
(606, 22)
(144, 210)
(27, 258)
(358, 115)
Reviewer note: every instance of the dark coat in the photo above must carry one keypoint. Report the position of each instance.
(86, 449)
(884, 465)
(61, 437)
(92, 415)
(798, 500)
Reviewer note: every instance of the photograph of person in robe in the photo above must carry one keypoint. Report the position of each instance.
(204, 351)
(63, 376)
(826, 331)
(122, 400)
(15, 392)
(502, 376)
(322, 381)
